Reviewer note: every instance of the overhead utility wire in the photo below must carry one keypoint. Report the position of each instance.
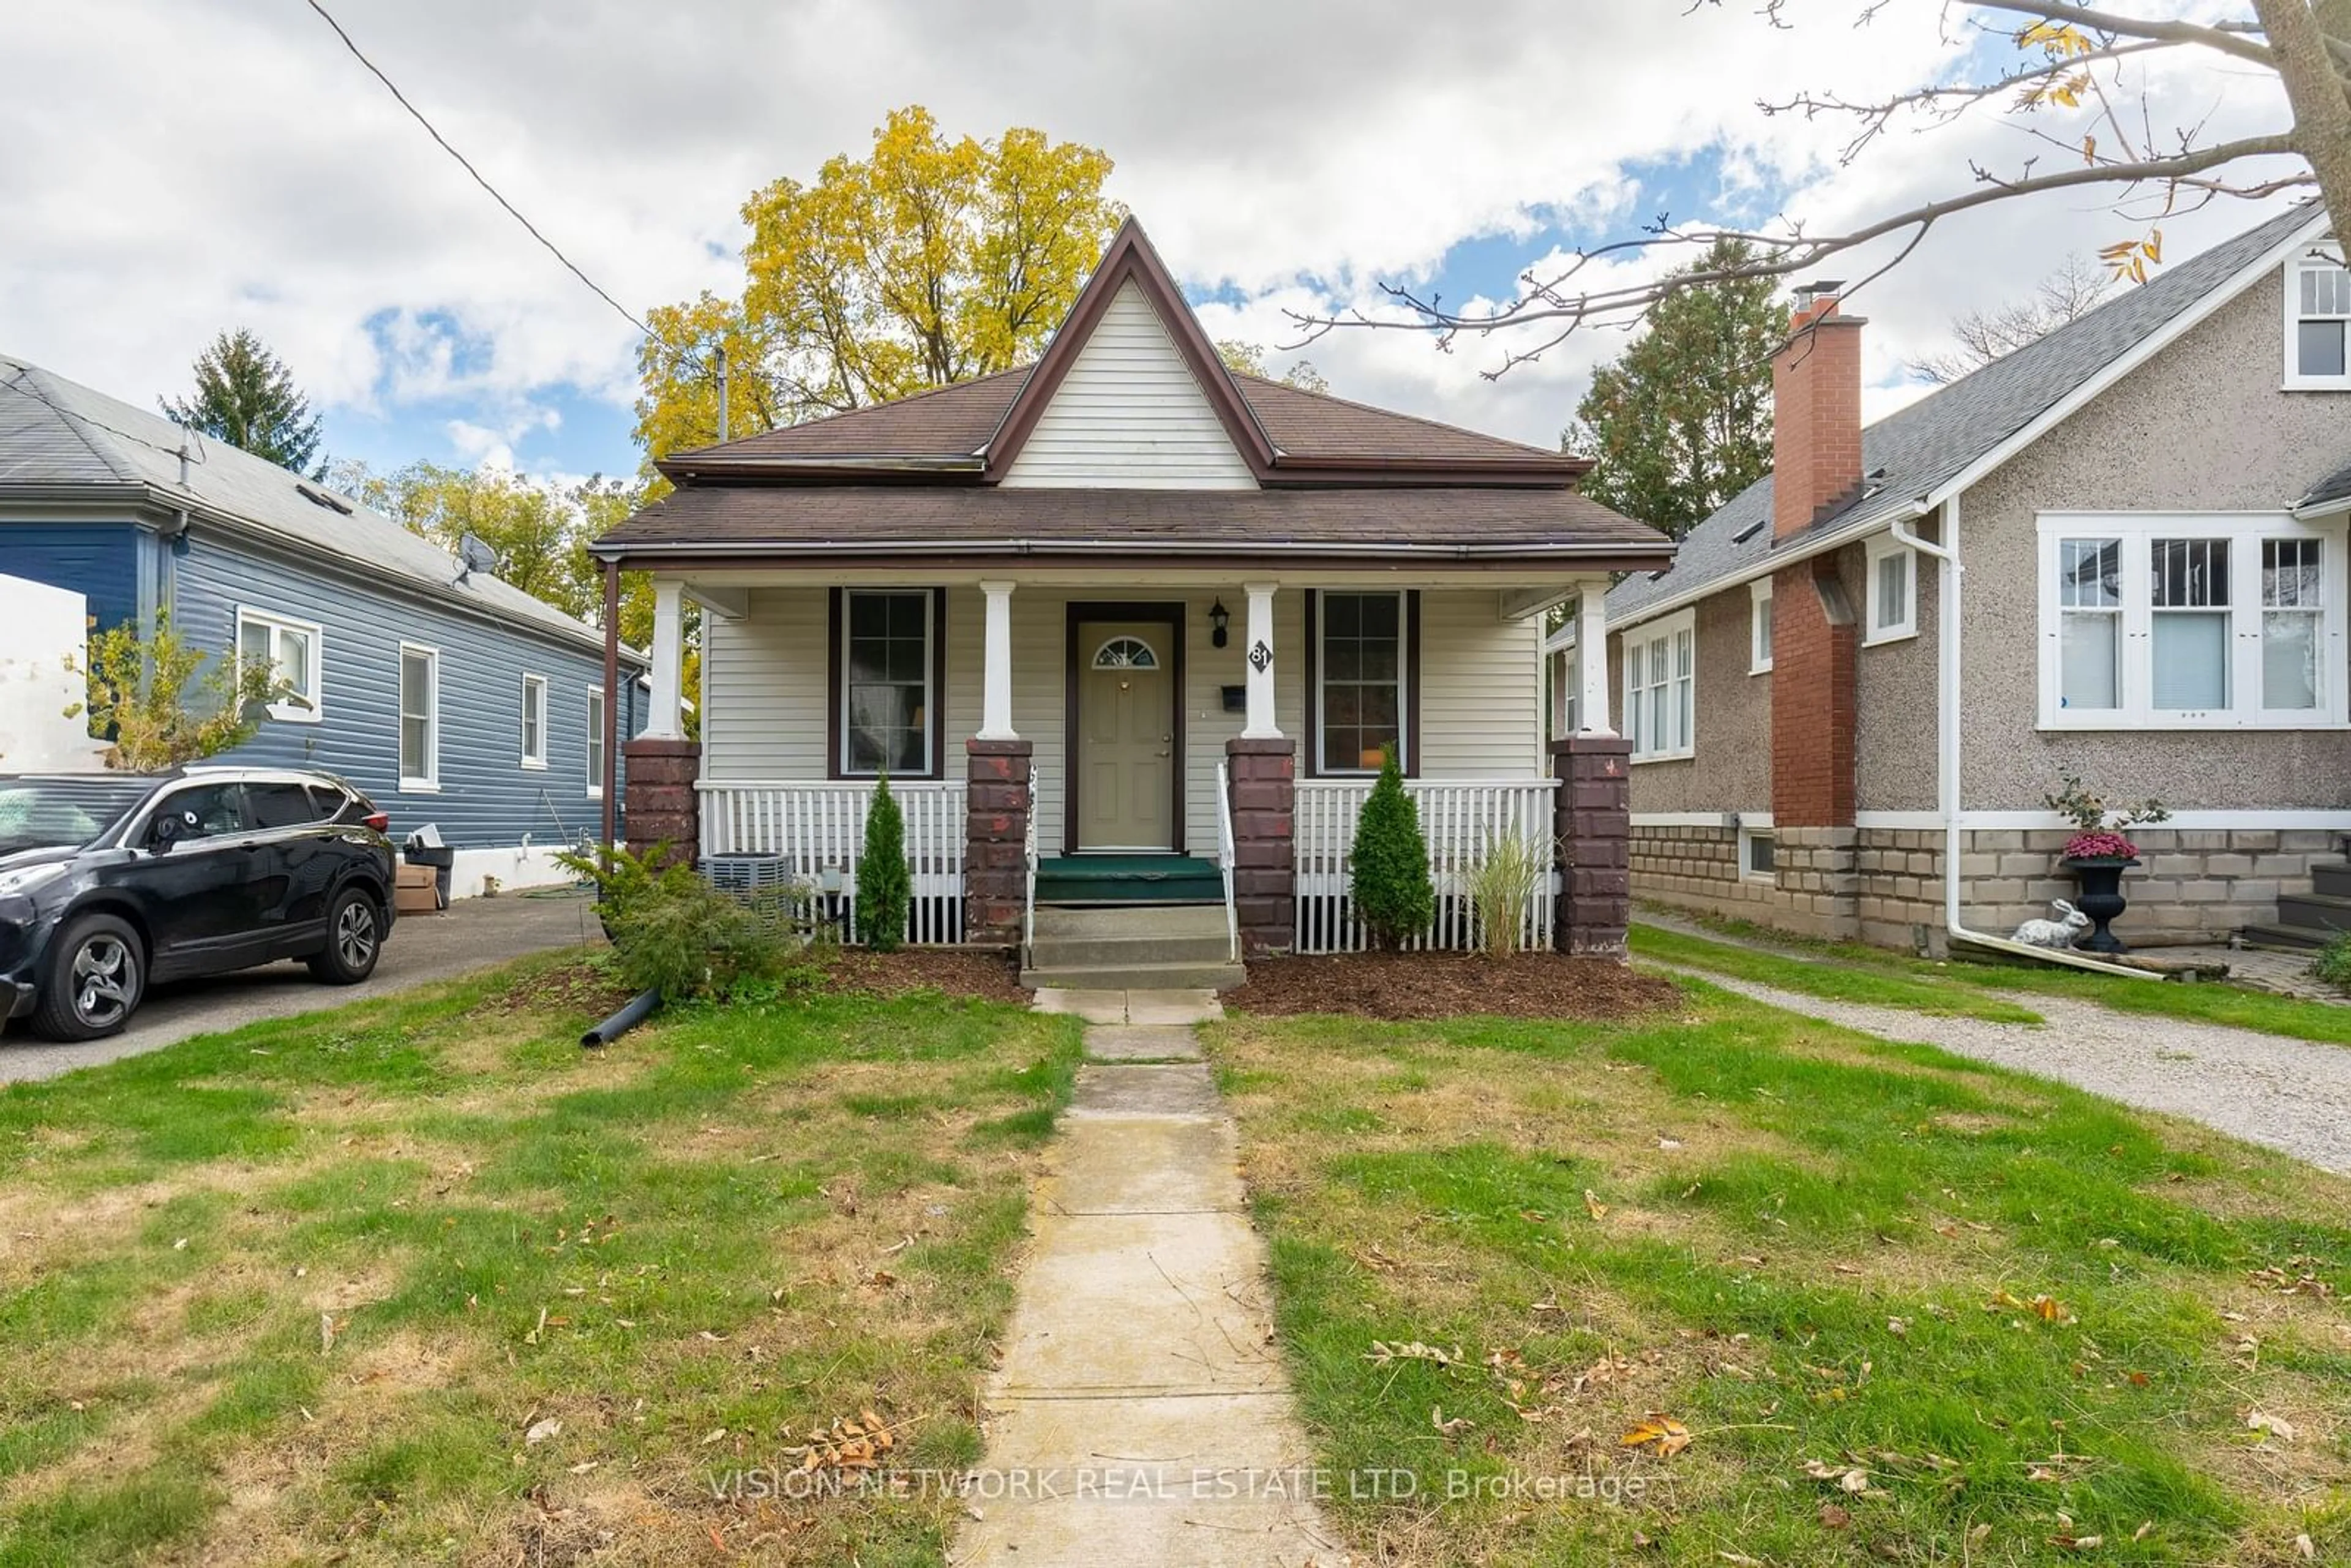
(418, 115)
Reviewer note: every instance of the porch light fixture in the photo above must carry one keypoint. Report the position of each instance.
(1217, 616)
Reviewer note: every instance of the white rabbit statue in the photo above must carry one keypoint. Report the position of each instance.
(2061, 932)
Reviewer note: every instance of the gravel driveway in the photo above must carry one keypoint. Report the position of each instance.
(2291, 1094)
(471, 934)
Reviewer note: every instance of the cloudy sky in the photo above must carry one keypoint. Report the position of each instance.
(177, 167)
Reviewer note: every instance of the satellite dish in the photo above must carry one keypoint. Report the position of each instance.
(474, 554)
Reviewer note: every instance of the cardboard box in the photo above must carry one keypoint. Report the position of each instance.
(416, 890)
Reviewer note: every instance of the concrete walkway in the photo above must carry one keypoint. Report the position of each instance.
(1141, 1416)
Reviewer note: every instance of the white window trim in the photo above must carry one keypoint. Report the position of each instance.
(2328, 251)
(2244, 531)
(933, 767)
(1747, 837)
(1759, 601)
(1324, 767)
(410, 783)
(595, 742)
(313, 706)
(536, 762)
(1665, 629)
(1881, 547)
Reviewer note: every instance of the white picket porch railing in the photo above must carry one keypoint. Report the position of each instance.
(817, 829)
(1461, 820)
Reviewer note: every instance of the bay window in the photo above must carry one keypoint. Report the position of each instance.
(1661, 687)
(2179, 620)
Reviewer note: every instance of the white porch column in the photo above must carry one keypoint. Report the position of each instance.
(1258, 656)
(664, 722)
(996, 691)
(1591, 647)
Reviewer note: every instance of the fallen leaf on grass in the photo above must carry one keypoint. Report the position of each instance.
(2277, 1427)
(1667, 1435)
(1849, 1477)
(2077, 1542)
(540, 1431)
(2305, 1549)
(1382, 1353)
(1454, 1428)
(1835, 1516)
(1593, 1205)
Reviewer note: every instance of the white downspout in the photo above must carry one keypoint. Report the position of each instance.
(1948, 731)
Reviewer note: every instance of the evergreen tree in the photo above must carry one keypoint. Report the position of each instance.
(883, 888)
(247, 397)
(1392, 895)
(1681, 421)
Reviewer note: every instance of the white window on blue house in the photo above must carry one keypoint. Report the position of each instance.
(420, 717)
(2169, 620)
(290, 651)
(534, 721)
(595, 743)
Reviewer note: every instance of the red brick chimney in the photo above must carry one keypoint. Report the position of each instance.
(1816, 469)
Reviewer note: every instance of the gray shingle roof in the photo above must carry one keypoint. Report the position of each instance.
(1930, 442)
(60, 436)
(2336, 487)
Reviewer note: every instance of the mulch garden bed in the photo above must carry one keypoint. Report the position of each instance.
(1451, 985)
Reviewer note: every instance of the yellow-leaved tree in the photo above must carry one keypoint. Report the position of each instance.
(927, 262)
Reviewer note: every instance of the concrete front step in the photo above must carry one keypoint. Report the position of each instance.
(1135, 977)
(2314, 911)
(1139, 940)
(2290, 938)
(2332, 878)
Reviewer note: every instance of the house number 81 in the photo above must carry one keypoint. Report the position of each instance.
(1260, 656)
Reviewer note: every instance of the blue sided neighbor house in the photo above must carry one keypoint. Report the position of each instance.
(450, 696)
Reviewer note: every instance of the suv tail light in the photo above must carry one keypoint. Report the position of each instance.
(380, 820)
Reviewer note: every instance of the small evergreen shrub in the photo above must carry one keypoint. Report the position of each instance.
(673, 932)
(1394, 898)
(884, 890)
(2333, 964)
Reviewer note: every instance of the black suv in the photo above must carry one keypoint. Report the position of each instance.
(109, 882)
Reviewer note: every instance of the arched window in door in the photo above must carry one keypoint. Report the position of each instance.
(1125, 653)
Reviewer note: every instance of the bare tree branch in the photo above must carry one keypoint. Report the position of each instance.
(2236, 38)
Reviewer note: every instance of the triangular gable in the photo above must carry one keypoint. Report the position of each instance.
(1130, 393)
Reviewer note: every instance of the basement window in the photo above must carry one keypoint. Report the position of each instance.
(1758, 855)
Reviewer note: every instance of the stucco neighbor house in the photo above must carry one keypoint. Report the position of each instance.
(1836, 729)
(1123, 627)
(453, 698)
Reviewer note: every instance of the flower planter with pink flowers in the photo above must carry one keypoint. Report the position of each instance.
(2098, 853)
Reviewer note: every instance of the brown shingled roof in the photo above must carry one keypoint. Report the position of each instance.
(832, 520)
(958, 420)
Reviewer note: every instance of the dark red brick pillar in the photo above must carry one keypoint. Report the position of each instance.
(658, 794)
(996, 841)
(1593, 813)
(1265, 862)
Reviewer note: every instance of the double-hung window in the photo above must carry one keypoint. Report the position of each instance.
(1893, 592)
(1360, 676)
(886, 696)
(1759, 626)
(1661, 687)
(289, 650)
(534, 721)
(420, 717)
(2318, 319)
(2183, 622)
(595, 743)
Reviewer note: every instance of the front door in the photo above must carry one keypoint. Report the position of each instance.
(1126, 774)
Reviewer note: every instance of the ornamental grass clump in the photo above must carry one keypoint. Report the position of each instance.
(1501, 887)
(883, 888)
(1394, 898)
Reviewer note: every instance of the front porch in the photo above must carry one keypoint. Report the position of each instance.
(1186, 742)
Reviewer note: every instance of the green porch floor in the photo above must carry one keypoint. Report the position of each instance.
(1128, 879)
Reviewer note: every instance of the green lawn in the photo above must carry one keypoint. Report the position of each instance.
(1849, 971)
(1907, 1307)
(302, 1293)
